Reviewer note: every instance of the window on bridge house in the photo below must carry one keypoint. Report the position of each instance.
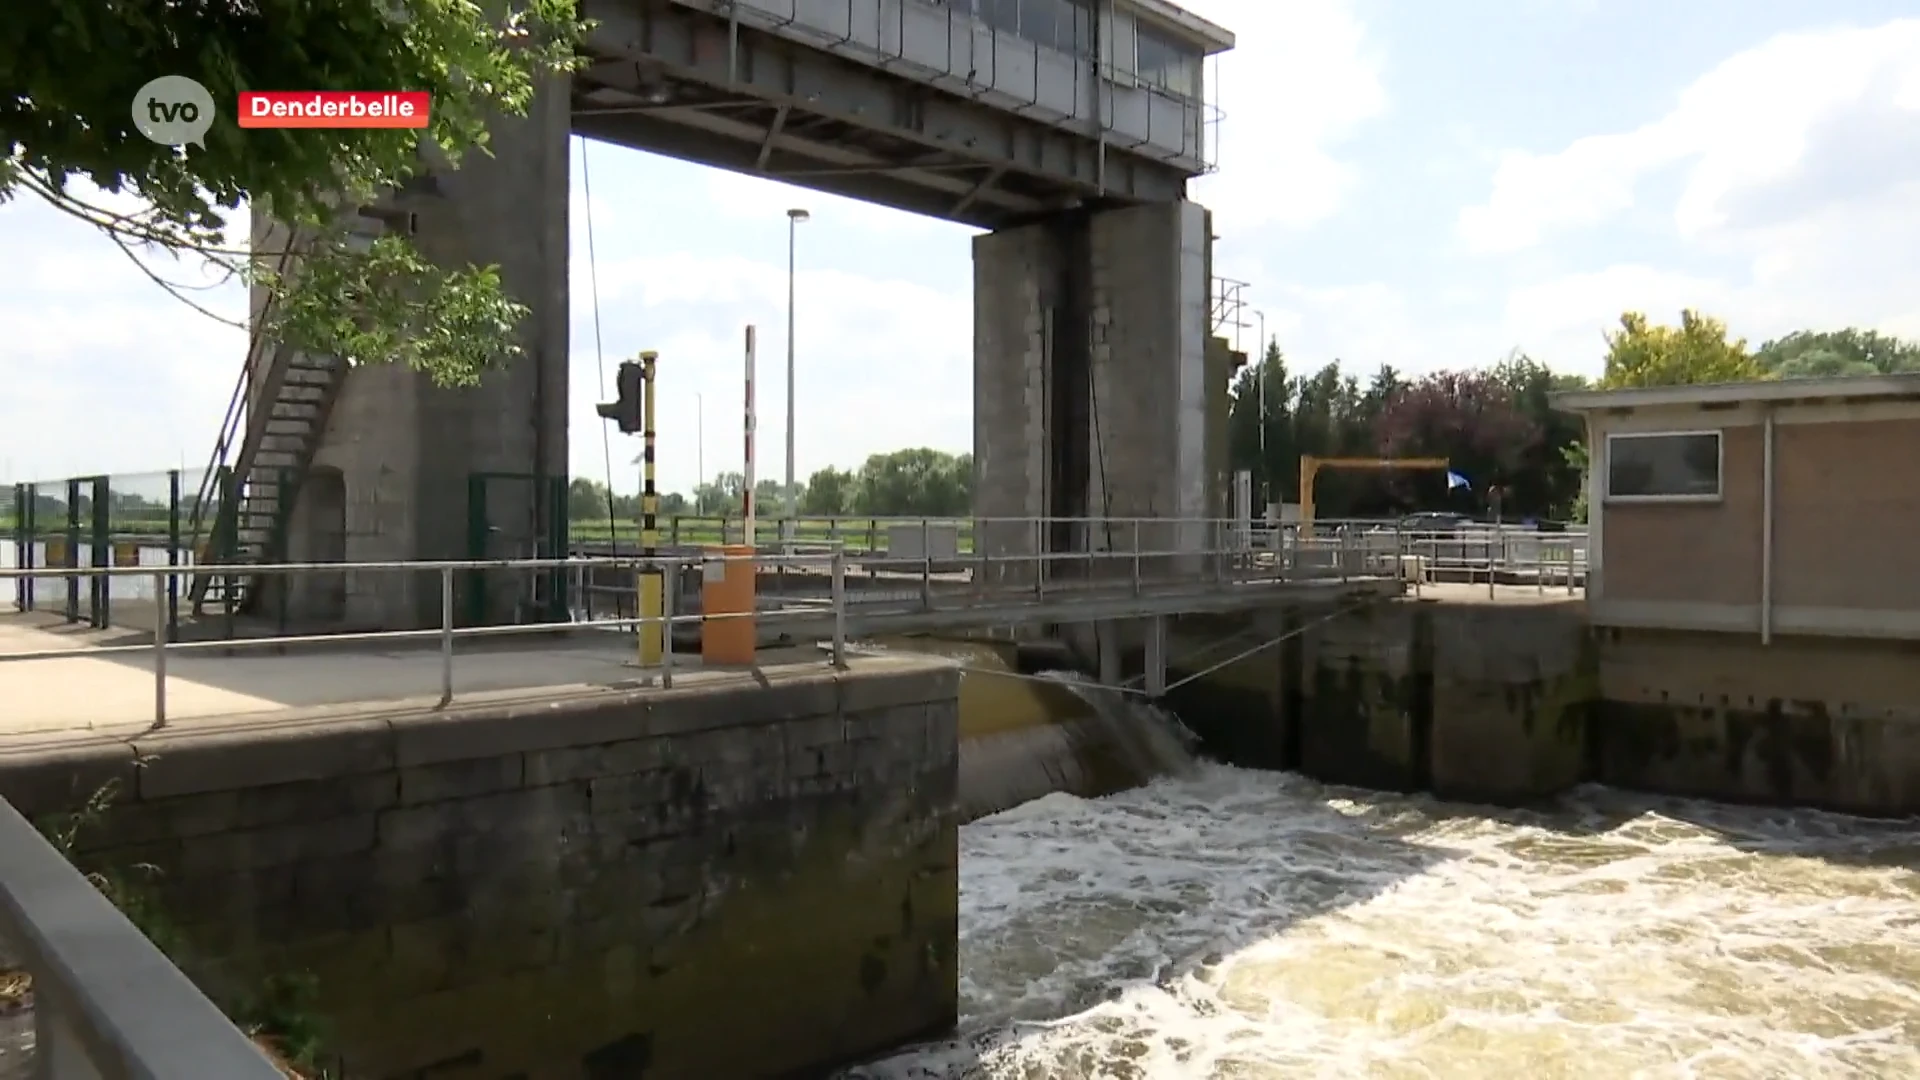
(1066, 25)
(1165, 64)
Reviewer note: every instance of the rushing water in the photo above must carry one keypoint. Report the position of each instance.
(1234, 924)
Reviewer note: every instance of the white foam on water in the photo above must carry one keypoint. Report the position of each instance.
(1237, 924)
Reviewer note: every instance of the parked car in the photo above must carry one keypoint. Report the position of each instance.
(1434, 521)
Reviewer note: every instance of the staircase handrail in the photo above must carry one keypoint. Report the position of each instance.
(230, 424)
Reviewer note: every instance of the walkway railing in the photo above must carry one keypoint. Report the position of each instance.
(1145, 566)
(107, 1003)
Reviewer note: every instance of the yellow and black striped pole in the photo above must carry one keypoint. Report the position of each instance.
(652, 632)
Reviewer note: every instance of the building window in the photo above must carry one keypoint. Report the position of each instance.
(1668, 465)
(1165, 64)
(1066, 25)
(999, 14)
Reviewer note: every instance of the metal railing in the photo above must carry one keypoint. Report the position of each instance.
(160, 648)
(107, 1003)
(821, 585)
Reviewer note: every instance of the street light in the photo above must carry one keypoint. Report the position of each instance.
(794, 218)
(1260, 388)
(700, 453)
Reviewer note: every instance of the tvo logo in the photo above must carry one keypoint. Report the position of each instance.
(173, 110)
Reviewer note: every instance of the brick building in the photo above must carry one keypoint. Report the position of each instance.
(1782, 507)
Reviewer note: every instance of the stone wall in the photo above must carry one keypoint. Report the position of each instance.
(1511, 702)
(1832, 723)
(1473, 701)
(717, 880)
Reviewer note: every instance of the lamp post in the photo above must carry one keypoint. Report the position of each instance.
(794, 218)
(700, 452)
(1260, 388)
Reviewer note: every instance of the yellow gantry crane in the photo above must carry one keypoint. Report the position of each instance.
(1310, 467)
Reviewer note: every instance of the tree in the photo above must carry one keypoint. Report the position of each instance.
(1246, 417)
(829, 492)
(1545, 480)
(588, 500)
(1697, 351)
(1471, 418)
(74, 67)
(1828, 353)
(919, 482)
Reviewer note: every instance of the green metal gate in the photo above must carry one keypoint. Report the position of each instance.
(543, 593)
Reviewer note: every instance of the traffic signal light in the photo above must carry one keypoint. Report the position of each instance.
(625, 411)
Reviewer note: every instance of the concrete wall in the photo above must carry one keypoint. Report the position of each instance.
(1016, 283)
(1471, 701)
(1150, 371)
(704, 882)
(1512, 702)
(1803, 721)
(1094, 383)
(406, 447)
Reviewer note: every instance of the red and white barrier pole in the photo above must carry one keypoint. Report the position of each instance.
(746, 495)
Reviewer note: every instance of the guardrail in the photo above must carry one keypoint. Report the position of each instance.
(107, 1003)
(159, 647)
(1145, 557)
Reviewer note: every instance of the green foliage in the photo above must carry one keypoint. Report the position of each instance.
(918, 482)
(1831, 353)
(1697, 351)
(1496, 426)
(830, 491)
(589, 500)
(1576, 458)
(387, 304)
(68, 114)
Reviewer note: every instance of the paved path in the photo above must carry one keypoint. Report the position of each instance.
(54, 700)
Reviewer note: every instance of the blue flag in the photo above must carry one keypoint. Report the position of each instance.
(1455, 480)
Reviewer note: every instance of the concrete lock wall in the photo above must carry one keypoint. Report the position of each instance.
(1801, 721)
(1470, 701)
(697, 883)
(1514, 702)
(1090, 360)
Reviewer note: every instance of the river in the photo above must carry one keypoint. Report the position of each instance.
(1234, 924)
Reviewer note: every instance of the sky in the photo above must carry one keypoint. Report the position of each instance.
(1418, 184)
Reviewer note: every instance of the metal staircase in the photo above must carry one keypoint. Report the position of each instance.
(259, 461)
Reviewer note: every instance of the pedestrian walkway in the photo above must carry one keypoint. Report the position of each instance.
(112, 695)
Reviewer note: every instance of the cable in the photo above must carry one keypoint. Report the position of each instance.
(1127, 686)
(599, 350)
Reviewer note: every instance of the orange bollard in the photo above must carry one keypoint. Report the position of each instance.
(727, 588)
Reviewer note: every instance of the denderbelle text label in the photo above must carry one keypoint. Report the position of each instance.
(334, 108)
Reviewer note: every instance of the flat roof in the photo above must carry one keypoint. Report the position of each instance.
(1906, 384)
(1211, 38)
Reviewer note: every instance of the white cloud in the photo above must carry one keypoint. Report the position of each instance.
(1746, 123)
(1301, 78)
(1799, 186)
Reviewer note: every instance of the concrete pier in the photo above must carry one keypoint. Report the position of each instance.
(1095, 388)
